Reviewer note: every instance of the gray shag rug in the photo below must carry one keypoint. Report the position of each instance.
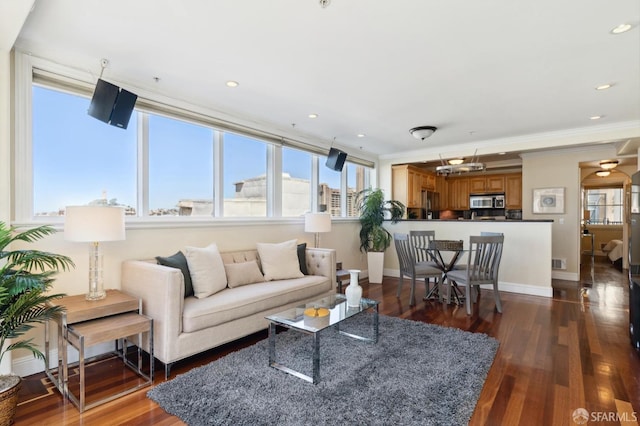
(417, 374)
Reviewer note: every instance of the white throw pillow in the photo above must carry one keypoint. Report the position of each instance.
(243, 273)
(207, 270)
(279, 261)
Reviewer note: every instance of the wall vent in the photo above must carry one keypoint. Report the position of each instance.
(558, 263)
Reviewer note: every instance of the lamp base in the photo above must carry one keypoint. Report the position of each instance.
(96, 295)
(96, 282)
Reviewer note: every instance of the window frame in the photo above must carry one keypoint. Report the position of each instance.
(74, 82)
(598, 190)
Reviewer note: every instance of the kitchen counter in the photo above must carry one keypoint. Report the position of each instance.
(525, 267)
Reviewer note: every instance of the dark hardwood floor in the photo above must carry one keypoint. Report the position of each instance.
(556, 355)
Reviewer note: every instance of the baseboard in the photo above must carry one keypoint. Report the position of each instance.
(28, 365)
(568, 276)
(391, 272)
(531, 290)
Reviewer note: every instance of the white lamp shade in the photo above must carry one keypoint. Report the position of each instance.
(317, 222)
(94, 223)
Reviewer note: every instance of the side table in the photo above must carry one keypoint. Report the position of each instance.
(85, 323)
(341, 274)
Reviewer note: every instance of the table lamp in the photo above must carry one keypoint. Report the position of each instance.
(317, 222)
(94, 224)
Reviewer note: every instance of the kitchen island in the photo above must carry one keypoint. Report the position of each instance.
(526, 259)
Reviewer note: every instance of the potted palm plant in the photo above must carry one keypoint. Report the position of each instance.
(25, 278)
(374, 238)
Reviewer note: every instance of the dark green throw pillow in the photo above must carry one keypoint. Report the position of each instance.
(180, 262)
(302, 258)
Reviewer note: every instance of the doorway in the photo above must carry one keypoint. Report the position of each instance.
(604, 222)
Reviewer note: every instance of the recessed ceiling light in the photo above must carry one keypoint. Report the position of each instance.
(604, 86)
(502, 153)
(361, 135)
(595, 117)
(232, 83)
(622, 28)
(313, 116)
(456, 161)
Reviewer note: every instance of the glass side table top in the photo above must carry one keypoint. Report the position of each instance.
(336, 304)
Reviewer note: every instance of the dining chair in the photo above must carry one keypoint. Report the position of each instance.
(483, 264)
(410, 268)
(422, 239)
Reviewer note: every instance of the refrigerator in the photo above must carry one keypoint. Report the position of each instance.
(634, 263)
(430, 203)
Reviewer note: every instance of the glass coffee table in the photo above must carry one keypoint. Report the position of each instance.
(313, 317)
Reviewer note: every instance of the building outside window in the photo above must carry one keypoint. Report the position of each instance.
(296, 182)
(244, 176)
(328, 189)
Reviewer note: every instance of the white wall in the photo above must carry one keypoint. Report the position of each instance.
(5, 156)
(560, 169)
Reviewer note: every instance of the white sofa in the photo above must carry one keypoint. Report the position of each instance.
(186, 326)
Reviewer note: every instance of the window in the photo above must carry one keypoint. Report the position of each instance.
(168, 162)
(180, 168)
(296, 182)
(245, 176)
(77, 159)
(328, 189)
(356, 182)
(605, 205)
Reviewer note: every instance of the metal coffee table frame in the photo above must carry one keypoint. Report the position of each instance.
(294, 320)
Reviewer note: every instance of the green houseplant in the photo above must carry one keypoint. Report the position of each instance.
(374, 238)
(25, 278)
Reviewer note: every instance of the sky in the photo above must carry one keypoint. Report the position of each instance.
(77, 157)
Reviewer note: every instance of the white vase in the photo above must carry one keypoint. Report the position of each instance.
(353, 290)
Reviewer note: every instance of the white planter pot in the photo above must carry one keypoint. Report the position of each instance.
(375, 261)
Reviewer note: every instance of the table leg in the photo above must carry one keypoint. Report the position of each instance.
(62, 360)
(81, 366)
(375, 324)
(316, 358)
(272, 343)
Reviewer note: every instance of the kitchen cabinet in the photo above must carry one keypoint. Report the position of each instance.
(477, 185)
(513, 191)
(489, 184)
(428, 182)
(442, 188)
(407, 185)
(495, 183)
(459, 194)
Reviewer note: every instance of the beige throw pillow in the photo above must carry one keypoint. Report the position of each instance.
(279, 261)
(207, 270)
(243, 273)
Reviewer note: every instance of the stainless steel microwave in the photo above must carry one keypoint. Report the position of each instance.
(486, 201)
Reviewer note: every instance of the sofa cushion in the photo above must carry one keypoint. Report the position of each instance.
(243, 273)
(180, 262)
(233, 303)
(280, 260)
(302, 258)
(207, 270)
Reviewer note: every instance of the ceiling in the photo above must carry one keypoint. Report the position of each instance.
(481, 72)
